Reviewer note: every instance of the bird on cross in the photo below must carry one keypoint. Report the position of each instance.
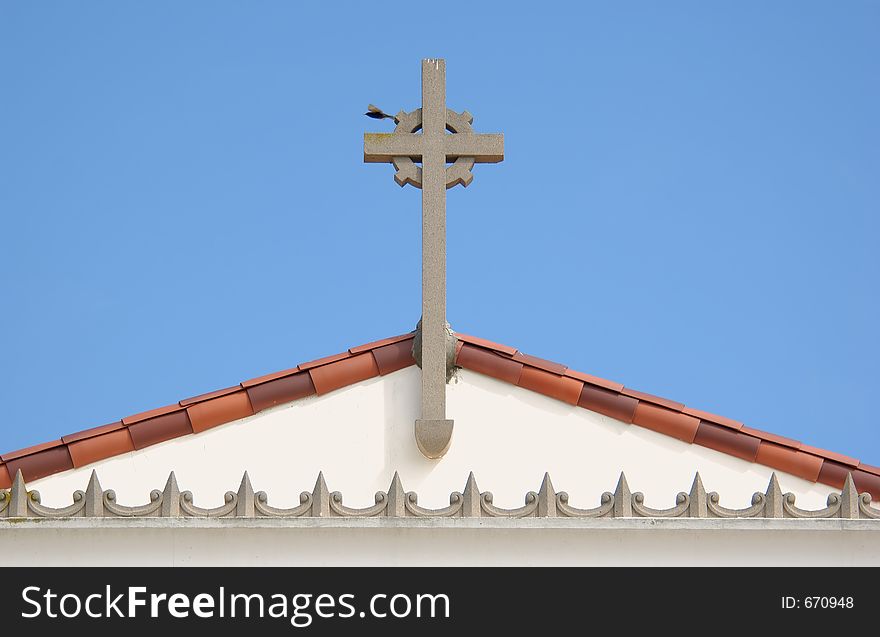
(377, 113)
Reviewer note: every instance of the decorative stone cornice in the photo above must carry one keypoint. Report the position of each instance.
(95, 502)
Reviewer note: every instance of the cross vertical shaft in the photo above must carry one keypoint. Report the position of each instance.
(433, 241)
(434, 148)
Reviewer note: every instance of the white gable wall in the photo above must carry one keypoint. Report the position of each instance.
(358, 436)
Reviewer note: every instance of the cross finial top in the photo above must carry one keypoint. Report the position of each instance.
(420, 136)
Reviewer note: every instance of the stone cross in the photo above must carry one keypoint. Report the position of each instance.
(434, 148)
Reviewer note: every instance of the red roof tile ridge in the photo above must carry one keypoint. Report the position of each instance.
(265, 378)
(325, 360)
(482, 342)
(381, 343)
(186, 402)
(94, 431)
(323, 375)
(151, 413)
(27, 451)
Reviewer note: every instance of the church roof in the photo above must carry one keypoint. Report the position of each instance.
(199, 413)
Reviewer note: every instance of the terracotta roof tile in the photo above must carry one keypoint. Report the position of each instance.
(727, 441)
(12, 455)
(42, 463)
(765, 435)
(186, 402)
(608, 403)
(159, 429)
(669, 404)
(830, 455)
(489, 363)
(865, 482)
(718, 420)
(595, 380)
(318, 362)
(267, 377)
(482, 342)
(89, 450)
(344, 372)
(458, 345)
(666, 421)
(559, 387)
(94, 431)
(797, 463)
(381, 343)
(869, 468)
(833, 473)
(5, 479)
(152, 413)
(220, 410)
(540, 363)
(395, 356)
(282, 390)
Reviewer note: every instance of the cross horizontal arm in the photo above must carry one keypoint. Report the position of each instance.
(381, 147)
(485, 148)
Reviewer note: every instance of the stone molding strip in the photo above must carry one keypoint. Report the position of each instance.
(170, 502)
(197, 414)
(824, 525)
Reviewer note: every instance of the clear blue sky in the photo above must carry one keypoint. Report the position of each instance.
(689, 203)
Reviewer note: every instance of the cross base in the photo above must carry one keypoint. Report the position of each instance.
(433, 437)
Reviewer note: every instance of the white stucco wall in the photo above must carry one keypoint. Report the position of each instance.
(360, 435)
